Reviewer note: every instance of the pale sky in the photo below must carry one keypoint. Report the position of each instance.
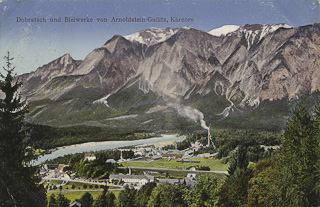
(34, 44)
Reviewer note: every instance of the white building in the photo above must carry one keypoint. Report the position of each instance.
(132, 179)
(89, 156)
(111, 161)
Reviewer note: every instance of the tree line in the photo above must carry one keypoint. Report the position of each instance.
(97, 168)
(47, 137)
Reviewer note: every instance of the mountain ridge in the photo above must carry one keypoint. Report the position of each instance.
(183, 68)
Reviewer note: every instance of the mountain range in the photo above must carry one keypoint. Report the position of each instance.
(181, 78)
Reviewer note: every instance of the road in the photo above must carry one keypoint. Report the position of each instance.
(178, 170)
(100, 190)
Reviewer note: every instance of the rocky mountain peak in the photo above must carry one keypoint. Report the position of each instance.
(116, 42)
(152, 36)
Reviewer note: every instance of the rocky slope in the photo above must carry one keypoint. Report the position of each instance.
(226, 72)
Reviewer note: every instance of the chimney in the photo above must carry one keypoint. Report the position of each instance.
(209, 137)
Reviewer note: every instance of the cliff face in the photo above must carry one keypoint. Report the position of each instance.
(237, 67)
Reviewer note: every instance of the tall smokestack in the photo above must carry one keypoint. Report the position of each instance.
(209, 137)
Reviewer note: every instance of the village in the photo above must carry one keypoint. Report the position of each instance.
(144, 155)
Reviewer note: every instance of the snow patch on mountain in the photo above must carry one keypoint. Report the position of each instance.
(251, 31)
(152, 36)
(266, 29)
(103, 100)
(255, 33)
(224, 30)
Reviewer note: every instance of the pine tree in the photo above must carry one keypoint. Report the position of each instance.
(127, 196)
(239, 160)
(110, 199)
(62, 201)
(144, 193)
(17, 186)
(298, 160)
(206, 192)
(52, 201)
(86, 200)
(100, 201)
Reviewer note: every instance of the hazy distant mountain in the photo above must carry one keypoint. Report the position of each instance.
(238, 74)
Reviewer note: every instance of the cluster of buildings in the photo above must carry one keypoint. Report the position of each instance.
(140, 152)
(140, 180)
(55, 170)
(147, 151)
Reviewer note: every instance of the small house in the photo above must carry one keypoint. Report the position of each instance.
(75, 204)
(51, 166)
(111, 161)
(89, 156)
(191, 176)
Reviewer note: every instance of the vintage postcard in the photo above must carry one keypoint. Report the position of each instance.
(160, 103)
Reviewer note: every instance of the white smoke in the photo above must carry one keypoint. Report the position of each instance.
(191, 113)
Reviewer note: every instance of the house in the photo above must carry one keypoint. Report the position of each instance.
(75, 204)
(111, 161)
(132, 179)
(207, 155)
(60, 167)
(191, 176)
(43, 170)
(156, 157)
(171, 181)
(172, 153)
(89, 156)
(190, 180)
(50, 166)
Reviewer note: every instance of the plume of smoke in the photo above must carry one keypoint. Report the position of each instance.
(191, 113)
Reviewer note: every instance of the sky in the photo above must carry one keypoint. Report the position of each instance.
(33, 44)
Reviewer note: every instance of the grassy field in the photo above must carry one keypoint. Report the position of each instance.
(77, 195)
(214, 164)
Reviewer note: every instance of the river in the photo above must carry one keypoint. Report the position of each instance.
(99, 146)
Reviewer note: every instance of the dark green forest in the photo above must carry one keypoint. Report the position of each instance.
(48, 137)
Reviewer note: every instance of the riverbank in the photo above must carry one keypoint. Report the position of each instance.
(105, 145)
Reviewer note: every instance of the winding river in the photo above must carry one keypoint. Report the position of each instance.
(99, 146)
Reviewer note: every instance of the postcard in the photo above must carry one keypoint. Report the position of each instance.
(194, 101)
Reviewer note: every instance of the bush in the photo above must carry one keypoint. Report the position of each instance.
(204, 168)
(85, 186)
